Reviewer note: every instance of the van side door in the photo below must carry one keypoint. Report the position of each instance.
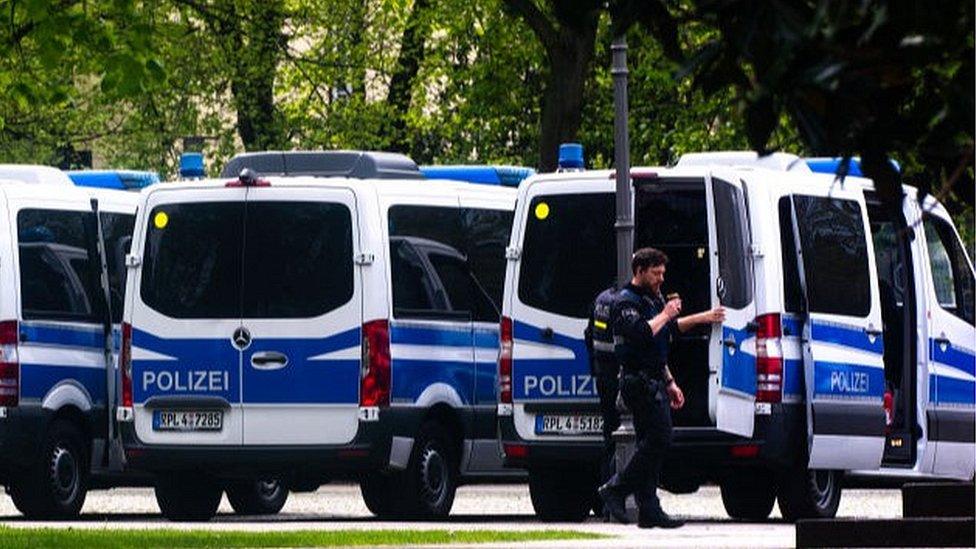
(842, 339)
(732, 354)
(949, 296)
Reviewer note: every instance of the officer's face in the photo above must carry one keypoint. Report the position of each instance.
(652, 278)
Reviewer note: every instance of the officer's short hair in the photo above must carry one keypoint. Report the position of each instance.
(645, 258)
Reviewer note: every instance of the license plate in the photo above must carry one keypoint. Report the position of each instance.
(568, 424)
(188, 420)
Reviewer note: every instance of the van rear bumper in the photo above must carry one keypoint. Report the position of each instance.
(368, 451)
(776, 442)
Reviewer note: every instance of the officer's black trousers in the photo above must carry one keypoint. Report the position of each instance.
(606, 386)
(647, 400)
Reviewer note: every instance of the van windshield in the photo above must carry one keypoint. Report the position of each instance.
(567, 252)
(248, 260)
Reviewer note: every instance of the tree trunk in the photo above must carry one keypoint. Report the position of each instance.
(562, 100)
(411, 56)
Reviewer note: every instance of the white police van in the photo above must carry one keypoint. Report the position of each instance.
(56, 336)
(341, 321)
(856, 355)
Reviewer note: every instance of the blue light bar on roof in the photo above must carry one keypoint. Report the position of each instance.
(191, 165)
(827, 164)
(506, 176)
(113, 179)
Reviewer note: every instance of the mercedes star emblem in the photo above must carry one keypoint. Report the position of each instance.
(242, 338)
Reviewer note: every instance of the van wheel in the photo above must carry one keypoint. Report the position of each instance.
(380, 493)
(187, 496)
(749, 495)
(431, 478)
(559, 495)
(56, 485)
(257, 497)
(806, 493)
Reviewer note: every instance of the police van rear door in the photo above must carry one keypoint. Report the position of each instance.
(302, 315)
(731, 352)
(565, 258)
(842, 338)
(185, 318)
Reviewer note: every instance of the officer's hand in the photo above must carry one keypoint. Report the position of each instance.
(673, 308)
(677, 397)
(716, 315)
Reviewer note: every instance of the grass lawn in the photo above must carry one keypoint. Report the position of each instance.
(67, 538)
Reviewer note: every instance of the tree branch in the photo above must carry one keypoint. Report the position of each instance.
(536, 20)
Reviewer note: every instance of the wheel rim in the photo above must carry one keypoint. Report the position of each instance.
(64, 473)
(268, 489)
(433, 477)
(823, 486)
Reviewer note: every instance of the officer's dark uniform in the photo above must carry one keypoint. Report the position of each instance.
(643, 357)
(604, 368)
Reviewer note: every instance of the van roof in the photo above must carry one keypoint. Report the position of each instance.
(32, 173)
(119, 200)
(351, 164)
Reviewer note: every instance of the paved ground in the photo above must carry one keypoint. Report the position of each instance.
(493, 507)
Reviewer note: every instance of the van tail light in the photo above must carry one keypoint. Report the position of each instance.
(769, 358)
(374, 390)
(9, 363)
(505, 362)
(125, 365)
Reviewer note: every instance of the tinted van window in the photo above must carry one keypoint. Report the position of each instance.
(567, 252)
(951, 272)
(57, 280)
(298, 259)
(792, 292)
(732, 231)
(486, 235)
(835, 256)
(193, 258)
(117, 231)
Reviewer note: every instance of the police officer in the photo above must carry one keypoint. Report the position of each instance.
(643, 323)
(605, 369)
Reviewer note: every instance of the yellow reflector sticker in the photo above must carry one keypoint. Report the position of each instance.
(600, 324)
(161, 220)
(541, 210)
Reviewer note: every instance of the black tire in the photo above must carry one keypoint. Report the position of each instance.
(380, 491)
(749, 495)
(808, 494)
(559, 495)
(257, 497)
(430, 481)
(56, 485)
(187, 496)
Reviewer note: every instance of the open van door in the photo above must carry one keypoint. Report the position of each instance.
(732, 350)
(842, 338)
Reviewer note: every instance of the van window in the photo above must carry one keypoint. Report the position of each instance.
(792, 292)
(734, 265)
(117, 232)
(192, 260)
(951, 271)
(567, 252)
(835, 256)
(56, 277)
(466, 250)
(673, 218)
(298, 259)
(487, 233)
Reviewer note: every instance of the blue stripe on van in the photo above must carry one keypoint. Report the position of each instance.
(410, 378)
(950, 390)
(304, 381)
(846, 380)
(792, 326)
(954, 357)
(73, 336)
(200, 367)
(793, 377)
(847, 336)
(738, 369)
(37, 379)
(413, 335)
(551, 379)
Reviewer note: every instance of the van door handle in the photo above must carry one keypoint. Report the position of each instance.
(943, 341)
(730, 342)
(269, 360)
(873, 332)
